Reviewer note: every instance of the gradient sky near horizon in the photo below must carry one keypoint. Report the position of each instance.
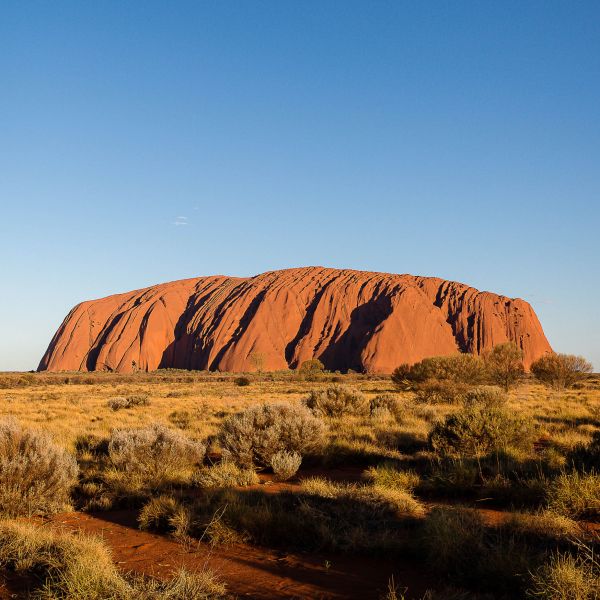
(142, 142)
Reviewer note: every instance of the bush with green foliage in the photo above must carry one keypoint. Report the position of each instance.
(504, 365)
(337, 401)
(386, 404)
(314, 365)
(460, 368)
(490, 396)
(561, 371)
(36, 475)
(444, 391)
(251, 437)
(478, 430)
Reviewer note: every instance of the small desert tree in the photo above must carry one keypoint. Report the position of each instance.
(504, 364)
(314, 365)
(561, 370)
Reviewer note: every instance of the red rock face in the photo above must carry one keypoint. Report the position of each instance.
(348, 319)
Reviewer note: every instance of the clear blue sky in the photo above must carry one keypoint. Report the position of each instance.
(143, 142)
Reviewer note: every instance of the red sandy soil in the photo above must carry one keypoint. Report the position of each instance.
(248, 571)
(255, 572)
(348, 319)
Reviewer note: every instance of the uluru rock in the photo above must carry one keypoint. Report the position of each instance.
(348, 319)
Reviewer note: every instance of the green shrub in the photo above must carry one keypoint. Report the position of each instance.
(488, 396)
(441, 392)
(504, 365)
(575, 495)
(285, 464)
(242, 381)
(386, 404)
(337, 401)
(224, 474)
(478, 430)
(460, 368)
(36, 475)
(253, 436)
(314, 365)
(561, 370)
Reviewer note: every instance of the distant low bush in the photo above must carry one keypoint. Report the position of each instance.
(488, 396)
(561, 371)
(337, 401)
(459, 368)
(182, 419)
(120, 402)
(253, 436)
(443, 391)
(36, 475)
(242, 381)
(153, 455)
(386, 404)
(478, 430)
(285, 464)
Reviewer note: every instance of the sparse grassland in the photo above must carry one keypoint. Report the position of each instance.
(497, 492)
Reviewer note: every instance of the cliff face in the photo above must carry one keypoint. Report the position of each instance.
(348, 319)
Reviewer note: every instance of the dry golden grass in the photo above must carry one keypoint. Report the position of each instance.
(67, 410)
(366, 516)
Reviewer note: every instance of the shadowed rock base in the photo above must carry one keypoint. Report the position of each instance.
(348, 319)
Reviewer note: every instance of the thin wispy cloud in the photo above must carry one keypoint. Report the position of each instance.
(180, 221)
